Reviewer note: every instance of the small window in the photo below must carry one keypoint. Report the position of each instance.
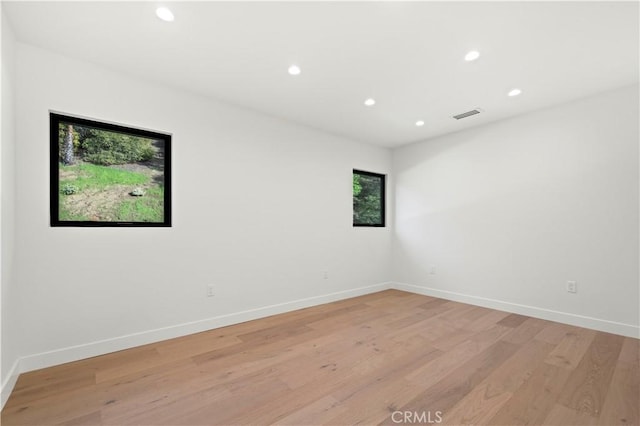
(368, 199)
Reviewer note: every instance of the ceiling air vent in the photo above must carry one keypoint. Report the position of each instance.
(467, 114)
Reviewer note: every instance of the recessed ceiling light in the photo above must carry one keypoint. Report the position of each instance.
(472, 56)
(370, 102)
(514, 92)
(294, 70)
(419, 123)
(164, 14)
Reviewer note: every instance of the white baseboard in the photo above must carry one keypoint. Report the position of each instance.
(9, 383)
(628, 330)
(101, 347)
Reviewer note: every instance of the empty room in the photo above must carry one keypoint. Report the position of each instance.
(320, 213)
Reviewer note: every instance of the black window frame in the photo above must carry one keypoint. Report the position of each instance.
(56, 118)
(383, 199)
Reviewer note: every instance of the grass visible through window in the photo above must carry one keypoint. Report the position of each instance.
(94, 192)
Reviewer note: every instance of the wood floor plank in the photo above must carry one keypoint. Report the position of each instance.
(488, 320)
(512, 320)
(469, 318)
(274, 332)
(412, 320)
(357, 374)
(554, 332)
(588, 384)
(622, 402)
(432, 372)
(353, 361)
(90, 419)
(136, 395)
(477, 312)
(432, 303)
(431, 327)
(484, 401)
(378, 393)
(563, 416)
(443, 395)
(151, 357)
(220, 412)
(194, 344)
(42, 383)
(270, 347)
(56, 408)
(314, 413)
(393, 301)
(525, 331)
(374, 404)
(531, 402)
(478, 407)
(450, 340)
(630, 351)
(443, 335)
(332, 324)
(571, 348)
(455, 311)
(350, 378)
(169, 410)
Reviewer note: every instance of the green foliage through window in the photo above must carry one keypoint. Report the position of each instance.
(368, 199)
(101, 146)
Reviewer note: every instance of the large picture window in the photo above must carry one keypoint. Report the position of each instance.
(368, 199)
(104, 174)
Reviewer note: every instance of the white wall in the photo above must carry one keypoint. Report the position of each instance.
(261, 208)
(9, 325)
(504, 214)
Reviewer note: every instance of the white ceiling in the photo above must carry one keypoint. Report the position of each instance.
(409, 56)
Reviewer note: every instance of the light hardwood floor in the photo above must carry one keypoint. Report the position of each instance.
(366, 360)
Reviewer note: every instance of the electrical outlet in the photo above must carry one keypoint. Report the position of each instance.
(325, 275)
(210, 290)
(572, 286)
(432, 269)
